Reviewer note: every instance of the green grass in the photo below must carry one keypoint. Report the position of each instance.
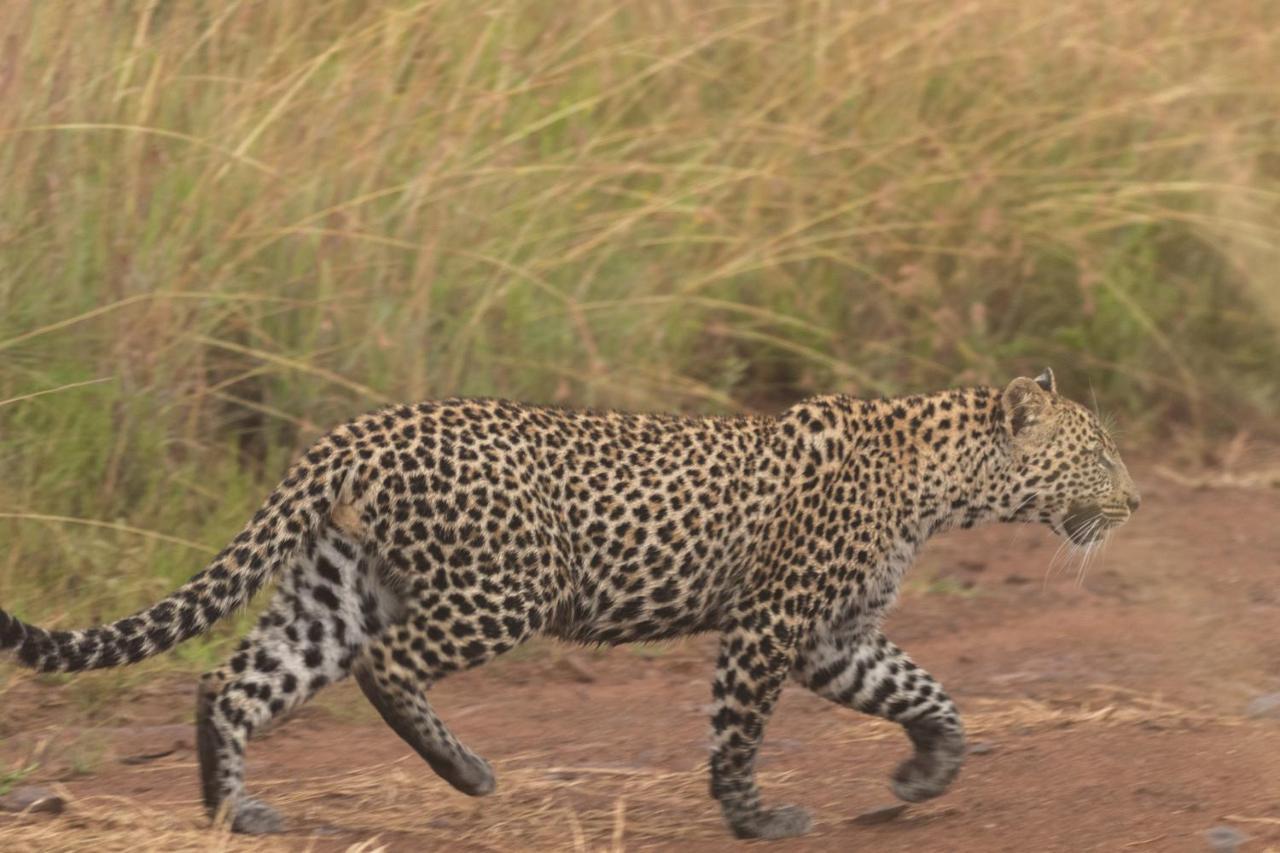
(225, 226)
(10, 778)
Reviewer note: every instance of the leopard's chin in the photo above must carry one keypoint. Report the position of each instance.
(1088, 538)
(1087, 526)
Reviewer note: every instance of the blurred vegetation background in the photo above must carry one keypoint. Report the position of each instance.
(225, 226)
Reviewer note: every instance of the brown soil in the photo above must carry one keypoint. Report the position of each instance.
(1107, 715)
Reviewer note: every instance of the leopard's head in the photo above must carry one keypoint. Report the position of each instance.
(1065, 469)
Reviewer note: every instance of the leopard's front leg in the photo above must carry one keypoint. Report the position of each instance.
(756, 653)
(869, 673)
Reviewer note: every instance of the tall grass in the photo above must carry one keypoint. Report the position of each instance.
(224, 226)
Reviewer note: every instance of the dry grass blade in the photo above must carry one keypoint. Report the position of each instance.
(68, 322)
(67, 387)
(1264, 479)
(160, 132)
(987, 717)
(295, 364)
(110, 525)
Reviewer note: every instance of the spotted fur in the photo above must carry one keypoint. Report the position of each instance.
(421, 540)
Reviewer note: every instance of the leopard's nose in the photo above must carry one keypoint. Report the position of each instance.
(1134, 501)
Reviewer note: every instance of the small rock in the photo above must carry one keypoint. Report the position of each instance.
(982, 747)
(32, 798)
(1266, 705)
(881, 815)
(144, 757)
(783, 745)
(1225, 839)
(326, 830)
(1262, 595)
(577, 670)
(1016, 580)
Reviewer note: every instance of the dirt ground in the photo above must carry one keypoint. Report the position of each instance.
(1105, 715)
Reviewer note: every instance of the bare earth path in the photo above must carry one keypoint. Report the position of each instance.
(1107, 716)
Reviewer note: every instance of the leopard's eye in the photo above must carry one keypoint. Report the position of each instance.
(1103, 458)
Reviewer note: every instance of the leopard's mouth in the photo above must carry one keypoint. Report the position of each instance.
(1090, 525)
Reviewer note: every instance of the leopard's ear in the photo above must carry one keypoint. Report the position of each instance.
(1024, 401)
(1046, 381)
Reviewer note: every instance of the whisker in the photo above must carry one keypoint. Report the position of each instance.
(1094, 551)
(1084, 553)
(1087, 551)
(1075, 558)
(1057, 561)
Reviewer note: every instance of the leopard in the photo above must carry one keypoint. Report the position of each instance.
(425, 539)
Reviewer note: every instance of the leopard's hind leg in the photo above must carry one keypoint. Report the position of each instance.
(405, 709)
(439, 634)
(320, 620)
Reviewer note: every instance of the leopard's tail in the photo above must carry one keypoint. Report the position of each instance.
(299, 506)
